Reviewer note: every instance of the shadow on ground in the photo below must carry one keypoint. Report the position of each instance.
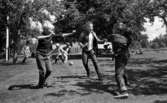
(71, 77)
(94, 86)
(64, 92)
(21, 86)
(146, 61)
(26, 86)
(160, 101)
(86, 87)
(10, 63)
(152, 81)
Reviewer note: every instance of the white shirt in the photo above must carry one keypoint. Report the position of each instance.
(90, 42)
(26, 51)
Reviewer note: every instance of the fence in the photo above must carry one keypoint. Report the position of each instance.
(75, 50)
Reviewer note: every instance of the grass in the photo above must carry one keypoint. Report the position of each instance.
(147, 73)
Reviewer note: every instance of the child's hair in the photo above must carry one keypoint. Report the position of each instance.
(47, 25)
(86, 26)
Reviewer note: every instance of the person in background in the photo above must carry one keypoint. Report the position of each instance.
(59, 53)
(88, 39)
(65, 51)
(26, 51)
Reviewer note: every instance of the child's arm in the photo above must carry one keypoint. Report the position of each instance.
(82, 45)
(68, 34)
(98, 40)
(45, 36)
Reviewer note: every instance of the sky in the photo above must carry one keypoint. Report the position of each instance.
(154, 29)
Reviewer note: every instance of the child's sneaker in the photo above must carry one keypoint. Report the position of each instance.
(121, 95)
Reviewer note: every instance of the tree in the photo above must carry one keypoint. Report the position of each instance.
(158, 8)
(106, 13)
(144, 41)
(20, 10)
(72, 14)
(160, 41)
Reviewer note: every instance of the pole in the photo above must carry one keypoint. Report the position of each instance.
(7, 40)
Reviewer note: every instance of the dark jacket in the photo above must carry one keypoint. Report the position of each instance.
(122, 45)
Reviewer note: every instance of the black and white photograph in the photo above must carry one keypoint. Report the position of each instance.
(83, 51)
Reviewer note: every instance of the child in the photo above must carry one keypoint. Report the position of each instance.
(88, 40)
(26, 52)
(65, 51)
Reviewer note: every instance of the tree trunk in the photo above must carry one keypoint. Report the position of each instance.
(15, 47)
(15, 58)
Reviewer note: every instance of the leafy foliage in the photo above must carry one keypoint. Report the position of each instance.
(159, 42)
(106, 13)
(71, 14)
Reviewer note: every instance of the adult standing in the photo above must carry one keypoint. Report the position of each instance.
(121, 42)
(88, 39)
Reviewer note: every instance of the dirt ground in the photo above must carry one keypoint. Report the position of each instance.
(68, 84)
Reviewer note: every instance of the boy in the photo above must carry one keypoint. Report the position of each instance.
(87, 43)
